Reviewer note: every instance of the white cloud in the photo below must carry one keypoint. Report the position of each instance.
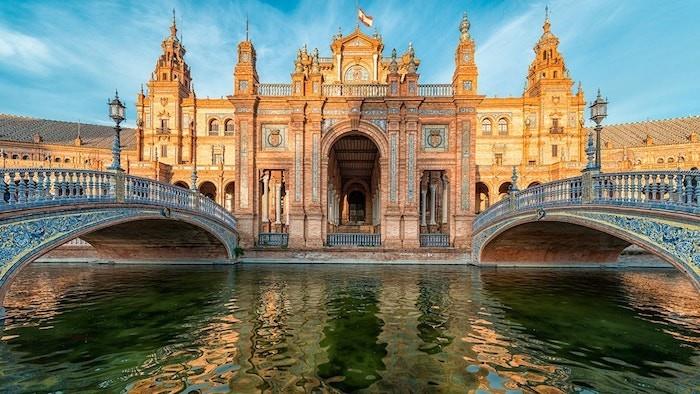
(23, 51)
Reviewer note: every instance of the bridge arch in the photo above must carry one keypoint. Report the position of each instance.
(126, 233)
(576, 235)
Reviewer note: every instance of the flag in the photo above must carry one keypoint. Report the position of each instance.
(364, 18)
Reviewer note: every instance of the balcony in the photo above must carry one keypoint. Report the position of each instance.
(435, 240)
(273, 240)
(354, 239)
(162, 131)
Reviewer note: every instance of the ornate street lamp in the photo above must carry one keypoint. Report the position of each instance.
(599, 110)
(117, 113)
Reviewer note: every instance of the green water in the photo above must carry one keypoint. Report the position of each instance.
(336, 328)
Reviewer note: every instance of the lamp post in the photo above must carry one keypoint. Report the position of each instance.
(117, 113)
(599, 110)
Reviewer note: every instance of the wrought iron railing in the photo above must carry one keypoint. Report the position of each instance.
(354, 90)
(677, 191)
(274, 89)
(434, 240)
(435, 90)
(354, 239)
(278, 240)
(23, 188)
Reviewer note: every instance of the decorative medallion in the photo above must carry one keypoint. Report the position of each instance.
(435, 138)
(163, 101)
(274, 137)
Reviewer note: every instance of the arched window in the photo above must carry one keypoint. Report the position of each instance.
(57, 160)
(228, 127)
(67, 160)
(503, 126)
(356, 73)
(670, 160)
(660, 160)
(15, 156)
(25, 157)
(214, 127)
(486, 126)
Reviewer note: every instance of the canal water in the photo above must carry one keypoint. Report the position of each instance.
(338, 328)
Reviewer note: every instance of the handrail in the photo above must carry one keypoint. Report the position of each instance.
(677, 191)
(23, 188)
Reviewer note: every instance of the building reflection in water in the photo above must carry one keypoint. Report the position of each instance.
(350, 336)
(311, 328)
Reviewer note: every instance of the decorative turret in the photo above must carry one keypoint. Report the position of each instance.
(464, 80)
(245, 74)
(171, 66)
(548, 66)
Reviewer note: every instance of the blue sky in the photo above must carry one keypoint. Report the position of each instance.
(62, 59)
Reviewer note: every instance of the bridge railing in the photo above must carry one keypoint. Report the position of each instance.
(23, 188)
(669, 190)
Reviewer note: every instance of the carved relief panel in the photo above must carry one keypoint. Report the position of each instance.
(274, 137)
(435, 138)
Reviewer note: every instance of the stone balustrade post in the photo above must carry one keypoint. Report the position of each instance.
(588, 179)
(119, 186)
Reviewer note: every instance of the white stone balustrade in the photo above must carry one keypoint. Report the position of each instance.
(24, 188)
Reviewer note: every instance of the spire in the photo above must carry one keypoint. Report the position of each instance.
(393, 66)
(173, 27)
(464, 27)
(547, 24)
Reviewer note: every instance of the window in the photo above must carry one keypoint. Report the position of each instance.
(502, 126)
(164, 151)
(531, 163)
(467, 85)
(660, 160)
(555, 150)
(486, 127)
(356, 73)
(165, 76)
(556, 129)
(499, 159)
(555, 74)
(228, 127)
(164, 124)
(214, 127)
(217, 159)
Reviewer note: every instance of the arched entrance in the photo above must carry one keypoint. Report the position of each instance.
(354, 197)
(208, 189)
(482, 197)
(229, 193)
(182, 184)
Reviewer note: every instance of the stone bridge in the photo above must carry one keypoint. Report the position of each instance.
(123, 217)
(592, 218)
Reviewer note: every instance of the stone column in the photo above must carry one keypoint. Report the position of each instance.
(278, 202)
(265, 181)
(445, 200)
(424, 201)
(433, 205)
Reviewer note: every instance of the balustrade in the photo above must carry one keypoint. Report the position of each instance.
(354, 239)
(274, 89)
(23, 188)
(279, 240)
(354, 90)
(435, 90)
(435, 240)
(669, 190)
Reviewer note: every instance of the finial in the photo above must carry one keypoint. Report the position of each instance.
(116, 93)
(410, 48)
(340, 33)
(599, 93)
(546, 19)
(246, 27)
(142, 89)
(376, 33)
(464, 27)
(514, 180)
(393, 66)
(173, 27)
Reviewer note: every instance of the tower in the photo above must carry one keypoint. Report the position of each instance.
(553, 113)
(165, 126)
(464, 80)
(245, 74)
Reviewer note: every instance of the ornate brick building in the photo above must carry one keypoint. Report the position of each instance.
(354, 150)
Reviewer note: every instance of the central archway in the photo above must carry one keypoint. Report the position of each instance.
(354, 176)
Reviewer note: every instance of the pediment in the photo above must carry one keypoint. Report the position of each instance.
(357, 40)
